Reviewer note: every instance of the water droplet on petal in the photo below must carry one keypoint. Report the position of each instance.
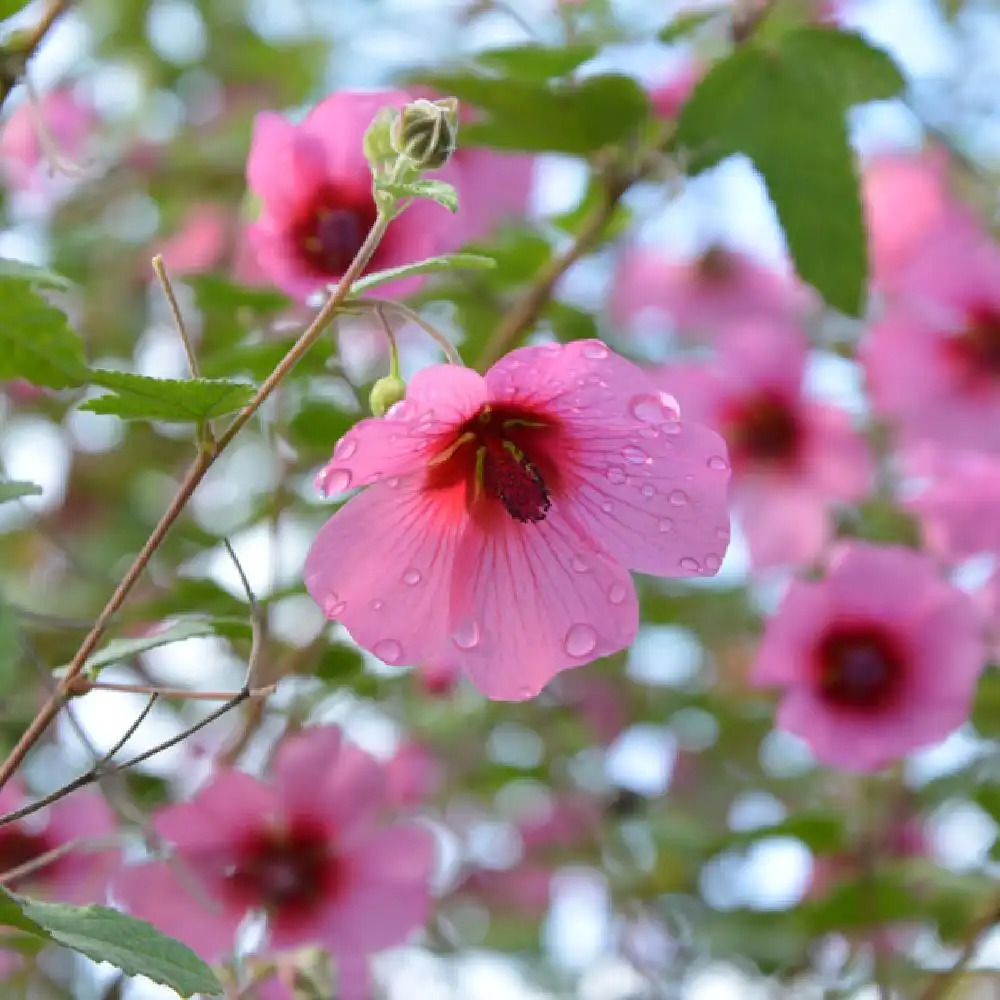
(392, 482)
(398, 411)
(466, 636)
(674, 427)
(632, 453)
(335, 481)
(550, 350)
(616, 475)
(678, 498)
(376, 604)
(649, 433)
(712, 562)
(345, 448)
(333, 605)
(595, 350)
(718, 462)
(722, 534)
(581, 640)
(692, 565)
(388, 650)
(607, 506)
(412, 576)
(665, 526)
(617, 593)
(578, 565)
(649, 490)
(653, 409)
(525, 692)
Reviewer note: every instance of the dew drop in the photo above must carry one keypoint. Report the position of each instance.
(388, 650)
(550, 350)
(335, 481)
(665, 526)
(692, 565)
(578, 565)
(672, 428)
(412, 576)
(333, 606)
(678, 498)
(377, 604)
(649, 433)
(653, 409)
(607, 506)
(718, 462)
(595, 350)
(581, 640)
(616, 475)
(466, 636)
(712, 562)
(345, 448)
(398, 411)
(617, 593)
(649, 490)
(632, 453)
(392, 482)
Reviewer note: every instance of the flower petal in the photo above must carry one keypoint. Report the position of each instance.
(530, 600)
(284, 165)
(383, 566)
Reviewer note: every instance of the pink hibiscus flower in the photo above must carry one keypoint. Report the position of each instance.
(200, 241)
(503, 512)
(701, 296)
(860, 657)
(80, 876)
(413, 774)
(933, 360)
(958, 504)
(315, 186)
(792, 457)
(304, 849)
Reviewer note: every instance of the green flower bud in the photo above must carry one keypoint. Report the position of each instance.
(377, 142)
(426, 132)
(386, 392)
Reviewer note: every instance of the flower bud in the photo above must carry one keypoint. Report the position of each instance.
(386, 392)
(426, 132)
(377, 142)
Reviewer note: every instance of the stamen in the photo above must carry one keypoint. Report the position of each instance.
(515, 482)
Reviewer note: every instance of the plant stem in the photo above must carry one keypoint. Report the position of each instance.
(10, 76)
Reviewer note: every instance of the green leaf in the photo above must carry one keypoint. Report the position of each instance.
(439, 191)
(40, 276)
(986, 706)
(139, 397)
(16, 490)
(8, 8)
(36, 342)
(106, 935)
(433, 265)
(684, 24)
(785, 110)
(536, 62)
(124, 649)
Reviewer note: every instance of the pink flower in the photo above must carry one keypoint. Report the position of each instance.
(933, 360)
(907, 200)
(413, 775)
(81, 875)
(699, 296)
(670, 96)
(199, 243)
(879, 658)
(791, 457)
(315, 186)
(957, 508)
(502, 513)
(22, 156)
(305, 849)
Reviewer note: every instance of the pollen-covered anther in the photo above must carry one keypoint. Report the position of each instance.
(510, 477)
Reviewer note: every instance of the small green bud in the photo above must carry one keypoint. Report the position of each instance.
(386, 392)
(377, 142)
(426, 132)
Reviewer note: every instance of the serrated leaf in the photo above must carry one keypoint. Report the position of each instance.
(106, 935)
(785, 110)
(16, 490)
(123, 649)
(536, 62)
(433, 265)
(40, 276)
(36, 342)
(139, 397)
(439, 191)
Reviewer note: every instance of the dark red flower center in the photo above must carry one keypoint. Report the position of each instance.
(978, 346)
(18, 847)
(501, 454)
(285, 868)
(764, 430)
(332, 228)
(859, 666)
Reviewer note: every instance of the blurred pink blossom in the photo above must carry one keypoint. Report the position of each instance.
(80, 876)
(859, 655)
(792, 457)
(702, 295)
(200, 241)
(933, 359)
(503, 512)
(314, 185)
(305, 849)
(413, 774)
(23, 157)
(670, 95)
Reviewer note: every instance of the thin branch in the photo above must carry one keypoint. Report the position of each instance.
(209, 452)
(15, 61)
(942, 982)
(175, 310)
(449, 349)
(257, 621)
(46, 859)
(130, 732)
(169, 692)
